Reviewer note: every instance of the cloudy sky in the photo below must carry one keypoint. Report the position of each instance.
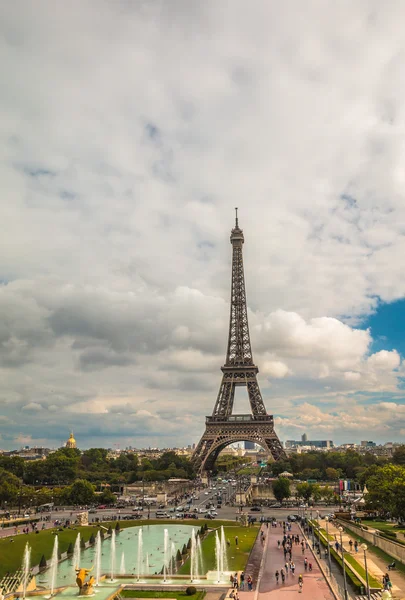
(128, 132)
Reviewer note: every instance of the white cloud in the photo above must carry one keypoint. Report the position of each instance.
(275, 368)
(120, 173)
(32, 406)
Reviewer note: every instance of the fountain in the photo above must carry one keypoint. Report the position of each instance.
(224, 556)
(112, 555)
(139, 560)
(218, 555)
(54, 564)
(122, 565)
(165, 555)
(26, 569)
(76, 554)
(200, 555)
(193, 558)
(98, 557)
(172, 559)
(147, 564)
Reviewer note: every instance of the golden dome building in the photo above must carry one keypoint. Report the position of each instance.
(71, 443)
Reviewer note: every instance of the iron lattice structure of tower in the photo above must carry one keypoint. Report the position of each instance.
(223, 427)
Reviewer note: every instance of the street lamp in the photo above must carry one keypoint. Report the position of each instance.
(327, 540)
(364, 548)
(343, 562)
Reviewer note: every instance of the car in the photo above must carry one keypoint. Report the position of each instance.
(92, 511)
(27, 515)
(255, 509)
(292, 518)
(213, 512)
(206, 493)
(102, 506)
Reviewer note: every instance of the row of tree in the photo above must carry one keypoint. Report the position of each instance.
(66, 465)
(331, 466)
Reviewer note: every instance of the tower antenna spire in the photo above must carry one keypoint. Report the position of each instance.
(236, 216)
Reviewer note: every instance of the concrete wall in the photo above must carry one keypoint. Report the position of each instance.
(397, 551)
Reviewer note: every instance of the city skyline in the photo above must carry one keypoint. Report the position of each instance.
(124, 154)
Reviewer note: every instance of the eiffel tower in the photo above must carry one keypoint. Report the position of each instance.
(223, 427)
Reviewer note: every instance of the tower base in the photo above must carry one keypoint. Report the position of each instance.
(222, 431)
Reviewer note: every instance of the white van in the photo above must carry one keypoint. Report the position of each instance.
(161, 514)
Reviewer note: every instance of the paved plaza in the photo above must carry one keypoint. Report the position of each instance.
(315, 586)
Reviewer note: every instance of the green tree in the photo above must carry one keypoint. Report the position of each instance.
(331, 474)
(398, 458)
(81, 492)
(328, 494)
(387, 490)
(107, 497)
(304, 490)
(281, 489)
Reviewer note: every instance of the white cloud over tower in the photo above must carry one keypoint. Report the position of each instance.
(128, 134)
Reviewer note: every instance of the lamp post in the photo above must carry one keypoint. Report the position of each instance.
(364, 548)
(312, 530)
(327, 539)
(343, 562)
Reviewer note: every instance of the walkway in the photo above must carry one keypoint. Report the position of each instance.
(376, 565)
(315, 586)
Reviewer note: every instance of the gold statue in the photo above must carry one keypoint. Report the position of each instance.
(85, 587)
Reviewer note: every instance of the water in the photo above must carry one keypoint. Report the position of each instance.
(126, 542)
(224, 556)
(26, 569)
(218, 556)
(112, 557)
(98, 557)
(165, 554)
(140, 554)
(172, 558)
(200, 555)
(76, 554)
(122, 564)
(193, 558)
(54, 565)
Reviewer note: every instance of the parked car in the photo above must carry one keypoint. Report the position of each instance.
(256, 509)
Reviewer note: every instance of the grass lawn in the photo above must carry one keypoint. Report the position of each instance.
(383, 526)
(169, 594)
(237, 555)
(380, 553)
(41, 543)
(374, 583)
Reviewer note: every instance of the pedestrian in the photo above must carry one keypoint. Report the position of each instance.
(305, 563)
(235, 581)
(302, 549)
(307, 545)
(292, 567)
(351, 545)
(231, 579)
(242, 581)
(228, 542)
(236, 540)
(278, 543)
(250, 583)
(286, 568)
(309, 566)
(282, 575)
(300, 583)
(277, 574)
(356, 545)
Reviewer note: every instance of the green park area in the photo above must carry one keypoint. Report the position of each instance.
(11, 552)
